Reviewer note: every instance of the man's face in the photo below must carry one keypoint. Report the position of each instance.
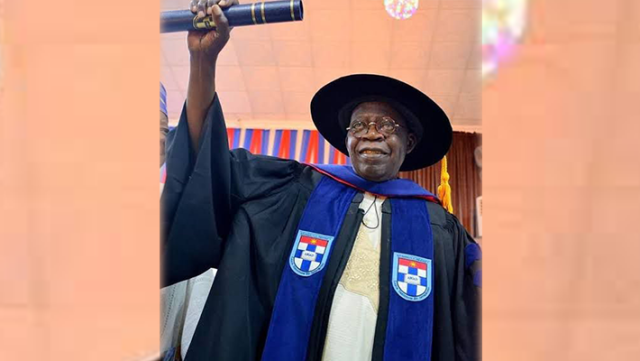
(377, 156)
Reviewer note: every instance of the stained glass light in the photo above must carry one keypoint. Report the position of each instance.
(401, 9)
(503, 22)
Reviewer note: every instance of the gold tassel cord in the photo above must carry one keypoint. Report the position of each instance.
(444, 189)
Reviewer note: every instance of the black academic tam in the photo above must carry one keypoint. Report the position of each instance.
(239, 213)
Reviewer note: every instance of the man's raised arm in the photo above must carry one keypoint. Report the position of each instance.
(204, 48)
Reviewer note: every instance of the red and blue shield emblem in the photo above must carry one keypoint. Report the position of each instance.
(412, 276)
(310, 253)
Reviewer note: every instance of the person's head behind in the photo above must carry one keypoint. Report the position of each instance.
(378, 140)
(164, 129)
(164, 121)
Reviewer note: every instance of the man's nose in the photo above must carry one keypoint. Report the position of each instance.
(372, 132)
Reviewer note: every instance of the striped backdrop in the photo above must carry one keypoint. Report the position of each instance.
(306, 146)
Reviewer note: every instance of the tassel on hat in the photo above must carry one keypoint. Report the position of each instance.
(444, 189)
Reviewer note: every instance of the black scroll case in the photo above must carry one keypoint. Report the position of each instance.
(237, 15)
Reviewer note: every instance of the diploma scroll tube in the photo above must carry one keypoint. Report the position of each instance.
(237, 15)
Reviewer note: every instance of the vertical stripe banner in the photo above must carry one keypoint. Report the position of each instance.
(230, 136)
(312, 154)
(293, 144)
(248, 134)
(309, 146)
(283, 150)
(321, 147)
(255, 146)
(304, 147)
(234, 139)
(264, 148)
(275, 149)
(335, 157)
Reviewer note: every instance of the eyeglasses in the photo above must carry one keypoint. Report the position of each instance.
(385, 126)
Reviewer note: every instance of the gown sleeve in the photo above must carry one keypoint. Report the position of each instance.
(467, 295)
(203, 191)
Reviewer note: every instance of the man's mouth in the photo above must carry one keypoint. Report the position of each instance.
(372, 153)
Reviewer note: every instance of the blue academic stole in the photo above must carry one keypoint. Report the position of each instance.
(410, 316)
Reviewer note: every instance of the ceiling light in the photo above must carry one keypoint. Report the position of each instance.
(401, 9)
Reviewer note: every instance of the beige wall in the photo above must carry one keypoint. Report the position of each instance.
(562, 198)
(79, 181)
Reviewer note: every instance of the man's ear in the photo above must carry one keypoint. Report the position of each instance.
(412, 141)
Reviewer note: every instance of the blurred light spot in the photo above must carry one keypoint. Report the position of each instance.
(401, 9)
(503, 22)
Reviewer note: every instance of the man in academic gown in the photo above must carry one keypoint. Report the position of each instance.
(182, 302)
(319, 263)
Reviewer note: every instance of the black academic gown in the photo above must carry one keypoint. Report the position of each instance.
(239, 213)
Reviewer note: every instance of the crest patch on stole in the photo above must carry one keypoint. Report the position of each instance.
(310, 253)
(411, 276)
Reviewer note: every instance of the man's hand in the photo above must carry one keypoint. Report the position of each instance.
(209, 44)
